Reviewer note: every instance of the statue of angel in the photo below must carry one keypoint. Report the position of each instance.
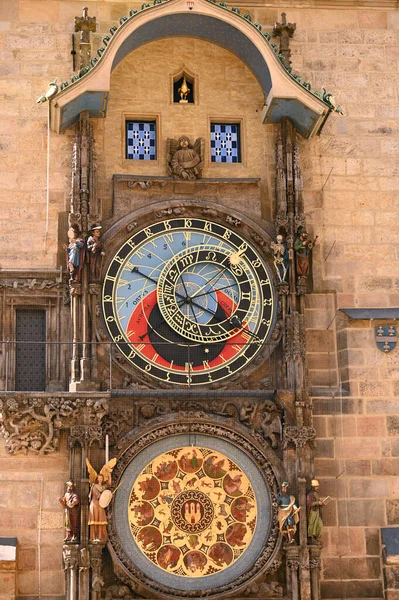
(99, 483)
(184, 159)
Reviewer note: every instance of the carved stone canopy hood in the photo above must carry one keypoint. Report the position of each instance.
(286, 95)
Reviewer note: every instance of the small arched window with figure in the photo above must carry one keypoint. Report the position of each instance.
(184, 88)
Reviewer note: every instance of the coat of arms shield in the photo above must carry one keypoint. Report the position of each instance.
(386, 337)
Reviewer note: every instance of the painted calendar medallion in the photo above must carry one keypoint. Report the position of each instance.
(192, 511)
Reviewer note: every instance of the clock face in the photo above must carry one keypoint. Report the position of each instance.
(188, 301)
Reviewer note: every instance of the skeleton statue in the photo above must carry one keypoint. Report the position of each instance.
(281, 260)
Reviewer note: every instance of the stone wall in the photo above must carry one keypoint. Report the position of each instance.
(30, 511)
(351, 195)
(355, 411)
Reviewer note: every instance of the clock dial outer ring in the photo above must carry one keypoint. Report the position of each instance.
(209, 373)
(132, 555)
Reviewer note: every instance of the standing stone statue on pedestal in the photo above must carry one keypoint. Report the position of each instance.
(71, 502)
(314, 504)
(287, 513)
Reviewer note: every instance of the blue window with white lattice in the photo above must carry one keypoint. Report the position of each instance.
(225, 143)
(141, 140)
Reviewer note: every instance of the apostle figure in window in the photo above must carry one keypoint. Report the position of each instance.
(184, 159)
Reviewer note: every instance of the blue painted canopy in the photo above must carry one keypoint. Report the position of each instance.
(206, 28)
(285, 95)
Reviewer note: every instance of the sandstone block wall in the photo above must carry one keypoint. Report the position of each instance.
(351, 194)
(356, 410)
(30, 511)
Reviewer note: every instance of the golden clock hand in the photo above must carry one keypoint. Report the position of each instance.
(136, 270)
(151, 329)
(187, 298)
(236, 322)
(218, 275)
(218, 290)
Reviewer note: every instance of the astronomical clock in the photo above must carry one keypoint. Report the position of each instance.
(189, 302)
(176, 361)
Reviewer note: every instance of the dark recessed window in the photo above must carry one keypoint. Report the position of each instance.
(225, 143)
(30, 352)
(141, 140)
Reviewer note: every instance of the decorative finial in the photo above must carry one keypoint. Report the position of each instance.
(84, 25)
(285, 31)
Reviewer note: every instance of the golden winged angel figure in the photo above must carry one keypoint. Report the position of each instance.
(185, 159)
(99, 483)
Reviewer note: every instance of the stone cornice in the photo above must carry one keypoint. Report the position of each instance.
(371, 313)
(330, 4)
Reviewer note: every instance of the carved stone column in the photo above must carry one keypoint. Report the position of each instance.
(314, 563)
(97, 581)
(295, 353)
(292, 569)
(289, 202)
(299, 434)
(304, 574)
(75, 290)
(70, 554)
(84, 211)
(94, 294)
(84, 574)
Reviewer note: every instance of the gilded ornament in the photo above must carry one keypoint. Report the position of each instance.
(183, 91)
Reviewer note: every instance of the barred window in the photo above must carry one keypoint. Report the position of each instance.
(141, 140)
(225, 143)
(30, 352)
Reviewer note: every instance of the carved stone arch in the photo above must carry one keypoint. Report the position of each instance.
(259, 231)
(285, 96)
(195, 427)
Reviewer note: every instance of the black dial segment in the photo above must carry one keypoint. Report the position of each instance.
(166, 342)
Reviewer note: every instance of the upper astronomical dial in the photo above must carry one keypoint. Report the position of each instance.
(188, 301)
(196, 282)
